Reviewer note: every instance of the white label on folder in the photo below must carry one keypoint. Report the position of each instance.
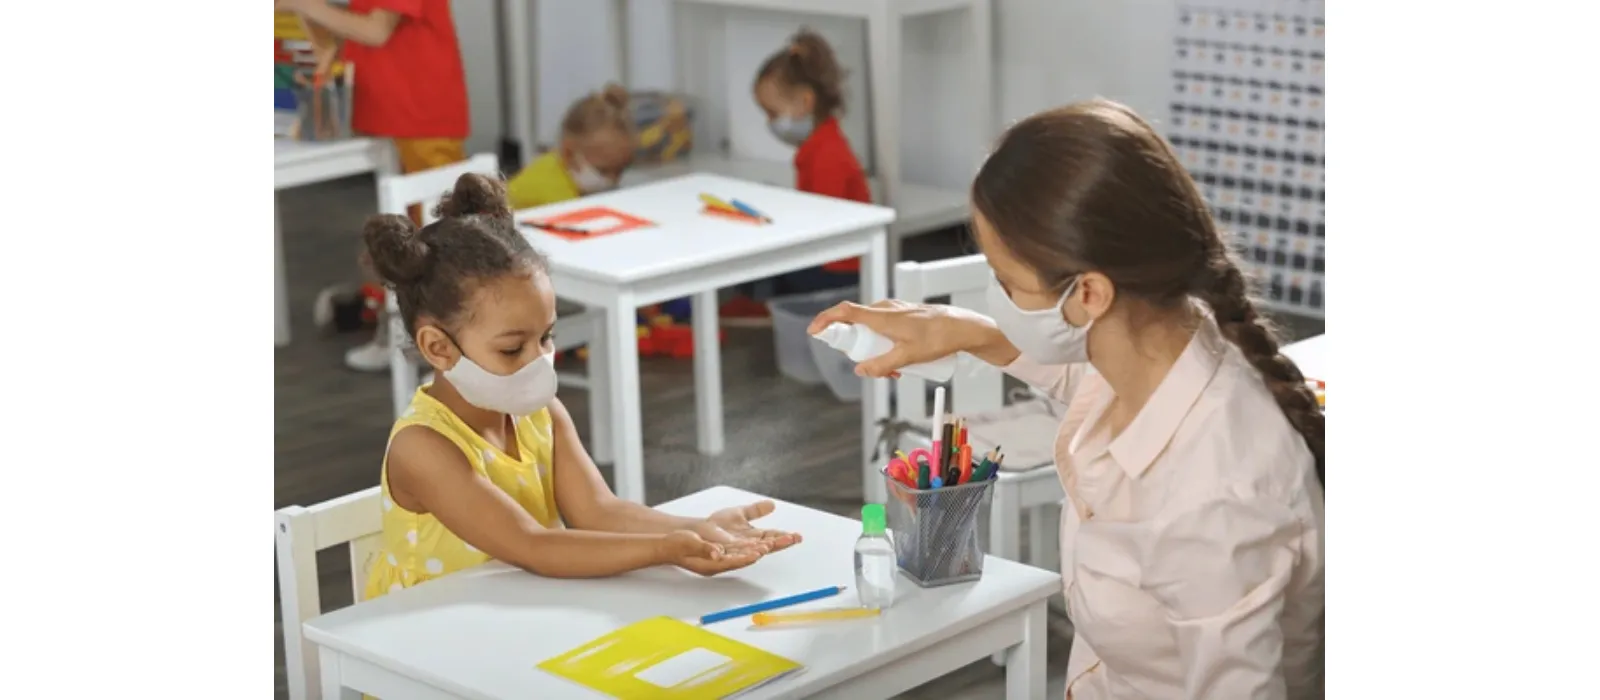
(683, 667)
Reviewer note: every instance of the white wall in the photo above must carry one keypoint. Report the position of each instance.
(1048, 52)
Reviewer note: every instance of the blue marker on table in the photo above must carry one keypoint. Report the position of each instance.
(749, 211)
(764, 606)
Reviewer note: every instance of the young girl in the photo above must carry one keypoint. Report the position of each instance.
(1192, 454)
(486, 462)
(597, 144)
(800, 88)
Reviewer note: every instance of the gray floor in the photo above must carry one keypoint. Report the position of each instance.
(331, 422)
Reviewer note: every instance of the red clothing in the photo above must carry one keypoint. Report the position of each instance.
(825, 165)
(413, 86)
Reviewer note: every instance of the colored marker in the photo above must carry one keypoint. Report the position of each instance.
(922, 474)
(765, 619)
(938, 419)
(764, 606)
(937, 482)
(750, 211)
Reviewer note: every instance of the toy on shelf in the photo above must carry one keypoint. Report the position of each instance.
(661, 332)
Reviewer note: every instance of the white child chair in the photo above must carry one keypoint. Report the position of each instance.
(1021, 489)
(355, 519)
(398, 192)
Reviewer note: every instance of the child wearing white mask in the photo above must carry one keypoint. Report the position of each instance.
(486, 462)
(597, 145)
(800, 88)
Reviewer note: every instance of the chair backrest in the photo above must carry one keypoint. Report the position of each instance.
(356, 520)
(964, 280)
(425, 187)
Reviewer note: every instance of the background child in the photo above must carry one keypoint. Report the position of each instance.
(597, 144)
(800, 87)
(410, 88)
(486, 462)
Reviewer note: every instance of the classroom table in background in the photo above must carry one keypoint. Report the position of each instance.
(1311, 355)
(686, 253)
(480, 633)
(297, 163)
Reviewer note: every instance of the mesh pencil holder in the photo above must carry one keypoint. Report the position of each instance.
(936, 531)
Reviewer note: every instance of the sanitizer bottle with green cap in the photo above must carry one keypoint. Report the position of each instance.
(875, 560)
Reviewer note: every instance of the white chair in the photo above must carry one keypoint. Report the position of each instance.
(355, 519)
(1036, 492)
(398, 192)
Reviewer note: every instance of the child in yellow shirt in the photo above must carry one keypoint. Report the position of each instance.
(486, 462)
(597, 144)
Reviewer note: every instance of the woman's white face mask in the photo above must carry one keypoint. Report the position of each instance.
(1043, 335)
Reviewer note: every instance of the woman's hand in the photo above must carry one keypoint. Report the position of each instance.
(688, 550)
(921, 333)
(731, 527)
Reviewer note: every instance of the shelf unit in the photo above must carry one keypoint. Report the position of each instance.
(921, 208)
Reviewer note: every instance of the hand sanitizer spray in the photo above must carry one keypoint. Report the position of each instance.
(875, 559)
(860, 343)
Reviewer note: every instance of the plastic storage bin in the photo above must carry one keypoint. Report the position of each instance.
(806, 359)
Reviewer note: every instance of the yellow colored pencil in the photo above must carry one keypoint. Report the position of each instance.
(764, 619)
(713, 202)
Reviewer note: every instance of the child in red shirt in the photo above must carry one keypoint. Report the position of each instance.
(800, 87)
(410, 87)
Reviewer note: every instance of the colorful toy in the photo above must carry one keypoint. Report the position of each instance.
(660, 333)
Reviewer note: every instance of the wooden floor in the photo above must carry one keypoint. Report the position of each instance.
(332, 422)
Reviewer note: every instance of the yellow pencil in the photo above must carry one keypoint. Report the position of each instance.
(764, 619)
(713, 202)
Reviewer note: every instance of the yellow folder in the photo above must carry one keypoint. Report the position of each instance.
(666, 659)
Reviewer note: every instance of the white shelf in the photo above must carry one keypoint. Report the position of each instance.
(918, 208)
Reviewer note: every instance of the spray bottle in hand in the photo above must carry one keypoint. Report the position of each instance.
(860, 344)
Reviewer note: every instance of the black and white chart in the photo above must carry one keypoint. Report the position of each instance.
(1247, 120)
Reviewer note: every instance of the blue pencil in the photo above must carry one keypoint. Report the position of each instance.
(764, 606)
(749, 211)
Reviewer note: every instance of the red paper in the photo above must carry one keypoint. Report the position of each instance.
(595, 222)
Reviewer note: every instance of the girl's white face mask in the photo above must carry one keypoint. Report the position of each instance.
(520, 393)
(589, 179)
(1043, 335)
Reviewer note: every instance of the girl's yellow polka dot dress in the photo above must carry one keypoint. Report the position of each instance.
(418, 547)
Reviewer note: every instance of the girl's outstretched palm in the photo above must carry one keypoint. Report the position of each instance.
(732, 527)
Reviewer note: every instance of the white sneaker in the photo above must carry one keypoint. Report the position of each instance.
(370, 357)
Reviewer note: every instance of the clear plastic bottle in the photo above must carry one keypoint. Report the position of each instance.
(860, 344)
(875, 559)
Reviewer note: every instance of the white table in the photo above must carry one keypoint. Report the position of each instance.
(1311, 355)
(480, 633)
(297, 163)
(690, 254)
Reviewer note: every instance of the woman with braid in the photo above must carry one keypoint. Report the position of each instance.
(1191, 451)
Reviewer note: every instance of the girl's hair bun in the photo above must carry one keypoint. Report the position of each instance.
(475, 193)
(398, 252)
(615, 95)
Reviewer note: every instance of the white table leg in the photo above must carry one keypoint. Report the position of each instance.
(883, 70)
(403, 377)
(627, 421)
(875, 394)
(602, 444)
(1025, 667)
(280, 331)
(331, 688)
(707, 373)
(1005, 529)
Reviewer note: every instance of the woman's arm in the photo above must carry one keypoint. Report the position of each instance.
(583, 498)
(1220, 570)
(431, 473)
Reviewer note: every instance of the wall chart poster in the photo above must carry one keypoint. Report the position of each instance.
(1247, 120)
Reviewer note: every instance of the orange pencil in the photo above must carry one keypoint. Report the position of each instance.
(964, 459)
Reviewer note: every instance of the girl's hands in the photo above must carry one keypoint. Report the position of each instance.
(921, 333)
(731, 527)
(686, 549)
